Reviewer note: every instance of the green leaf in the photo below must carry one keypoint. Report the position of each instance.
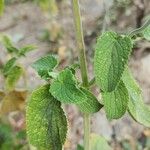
(48, 5)
(74, 67)
(6, 136)
(64, 88)
(80, 147)
(91, 105)
(111, 56)
(8, 44)
(136, 107)
(12, 77)
(26, 49)
(1, 7)
(45, 65)
(9, 65)
(98, 142)
(116, 102)
(46, 122)
(146, 33)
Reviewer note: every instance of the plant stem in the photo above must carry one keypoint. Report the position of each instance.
(83, 65)
(92, 82)
(139, 30)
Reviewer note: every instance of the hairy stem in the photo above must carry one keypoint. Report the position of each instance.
(83, 65)
(139, 30)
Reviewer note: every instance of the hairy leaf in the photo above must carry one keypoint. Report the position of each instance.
(13, 101)
(146, 33)
(46, 122)
(9, 65)
(12, 77)
(116, 102)
(111, 55)
(138, 110)
(26, 49)
(98, 142)
(9, 45)
(65, 89)
(91, 105)
(45, 65)
(1, 7)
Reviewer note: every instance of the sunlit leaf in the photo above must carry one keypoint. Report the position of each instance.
(45, 65)
(64, 88)
(91, 105)
(138, 110)
(46, 122)
(111, 55)
(116, 102)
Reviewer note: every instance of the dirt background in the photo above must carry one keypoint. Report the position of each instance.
(26, 23)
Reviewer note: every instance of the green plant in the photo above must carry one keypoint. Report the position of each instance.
(12, 71)
(10, 138)
(46, 120)
(48, 5)
(1, 7)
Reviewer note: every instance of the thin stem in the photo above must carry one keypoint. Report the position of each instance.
(139, 30)
(86, 131)
(80, 42)
(83, 65)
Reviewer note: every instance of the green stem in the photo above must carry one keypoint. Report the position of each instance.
(92, 82)
(83, 65)
(139, 30)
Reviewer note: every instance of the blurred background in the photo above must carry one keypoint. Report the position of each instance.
(48, 24)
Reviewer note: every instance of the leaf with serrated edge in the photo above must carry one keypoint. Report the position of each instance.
(44, 65)
(9, 65)
(91, 105)
(13, 77)
(146, 33)
(64, 88)
(46, 122)
(98, 142)
(136, 107)
(116, 102)
(111, 55)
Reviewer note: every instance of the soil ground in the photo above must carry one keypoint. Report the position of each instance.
(25, 23)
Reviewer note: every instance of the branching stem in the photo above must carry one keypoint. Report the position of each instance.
(139, 30)
(83, 65)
